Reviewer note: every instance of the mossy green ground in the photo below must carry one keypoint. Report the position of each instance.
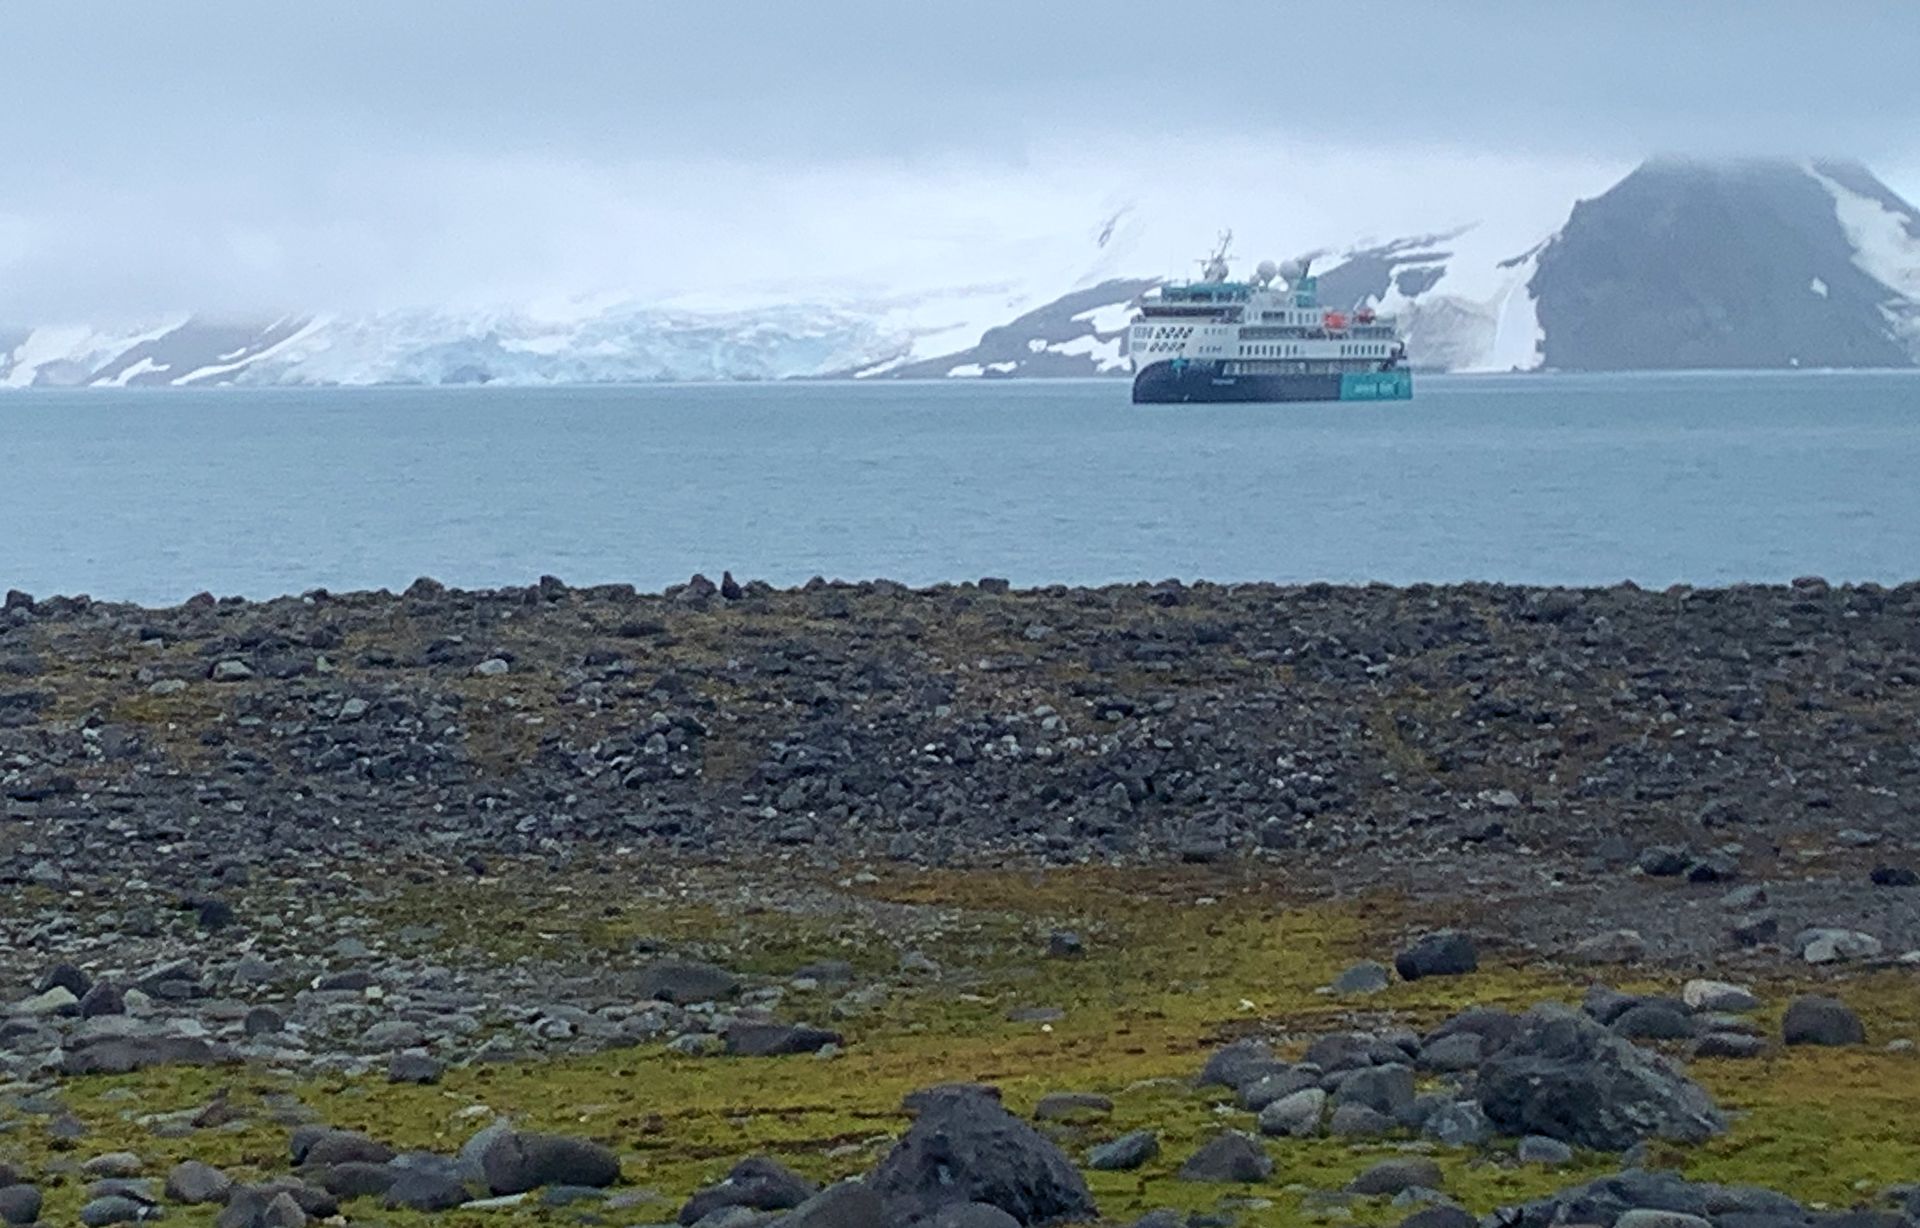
(1176, 963)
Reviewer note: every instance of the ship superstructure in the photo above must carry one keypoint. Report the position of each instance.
(1269, 339)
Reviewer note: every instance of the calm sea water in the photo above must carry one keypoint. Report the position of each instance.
(154, 495)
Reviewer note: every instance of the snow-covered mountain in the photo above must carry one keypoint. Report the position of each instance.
(1680, 264)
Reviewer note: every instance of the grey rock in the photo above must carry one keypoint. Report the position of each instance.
(1387, 1090)
(1239, 1064)
(1365, 977)
(1814, 1020)
(419, 1189)
(1463, 1123)
(1440, 1216)
(1654, 1020)
(356, 1179)
(1831, 946)
(1448, 953)
(515, 1162)
(757, 1183)
(777, 1039)
(1461, 1051)
(1262, 1092)
(194, 1183)
(20, 1205)
(1072, 1106)
(1718, 997)
(1612, 947)
(1736, 1045)
(324, 1148)
(1391, 1177)
(970, 1215)
(1539, 1149)
(1359, 1121)
(1125, 1153)
(1229, 1156)
(415, 1067)
(964, 1147)
(1568, 1078)
(850, 1204)
(684, 982)
(115, 1209)
(1648, 1217)
(1295, 1116)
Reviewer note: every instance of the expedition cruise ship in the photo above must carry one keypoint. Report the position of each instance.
(1264, 340)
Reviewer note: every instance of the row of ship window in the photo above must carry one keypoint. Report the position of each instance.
(1282, 351)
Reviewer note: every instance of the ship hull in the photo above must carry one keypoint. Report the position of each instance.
(1168, 383)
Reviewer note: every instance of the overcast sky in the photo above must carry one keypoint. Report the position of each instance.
(249, 156)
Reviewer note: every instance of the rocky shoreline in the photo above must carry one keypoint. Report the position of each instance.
(350, 858)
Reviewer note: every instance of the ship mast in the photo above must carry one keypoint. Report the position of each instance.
(1214, 267)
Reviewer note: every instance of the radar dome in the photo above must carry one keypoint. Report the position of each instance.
(1267, 271)
(1294, 269)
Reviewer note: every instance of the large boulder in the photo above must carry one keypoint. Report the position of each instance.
(1822, 1021)
(1229, 1156)
(965, 1147)
(1447, 953)
(516, 1161)
(1567, 1077)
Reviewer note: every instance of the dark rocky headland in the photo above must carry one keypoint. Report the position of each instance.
(1227, 904)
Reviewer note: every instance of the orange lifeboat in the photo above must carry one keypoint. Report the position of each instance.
(1335, 319)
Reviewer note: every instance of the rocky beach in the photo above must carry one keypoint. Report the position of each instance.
(863, 906)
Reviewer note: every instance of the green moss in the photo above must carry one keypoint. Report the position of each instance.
(1176, 962)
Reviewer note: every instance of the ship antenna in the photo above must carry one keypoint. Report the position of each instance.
(1214, 267)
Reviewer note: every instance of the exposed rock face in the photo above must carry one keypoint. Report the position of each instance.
(1731, 264)
(1567, 1077)
(964, 1147)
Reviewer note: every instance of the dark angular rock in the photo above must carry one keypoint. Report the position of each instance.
(1239, 1064)
(329, 1147)
(413, 1067)
(684, 982)
(123, 1055)
(849, 1204)
(194, 1183)
(420, 1189)
(1568, 1078)
(1729, 1045)
(1895, 876)
(1654, 1020)
(1071, 1106)
(516, 1162)
(967, 1148)
(757, 1183)
(1664, 861)
(355, 1179)
(1815, 1020)
(1387, 1090)
(776, 1039)
(1390, 1177)
(117, 1209)
(1448, 953)
(20, 1205)
(102, 999)
(1229, 1156)
(1441, 1216)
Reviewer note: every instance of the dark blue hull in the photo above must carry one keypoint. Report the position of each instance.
(1168, 383)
